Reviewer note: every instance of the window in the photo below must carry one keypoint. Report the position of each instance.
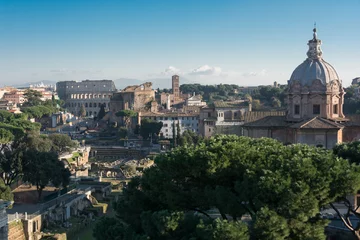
(209, 114)
(316, 109)
(165, 125)
(166, 130)
(335, 110)
(297, 109)
(235, 114)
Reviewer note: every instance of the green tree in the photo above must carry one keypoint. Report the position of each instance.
(5, 116)
(281, 187)
(221, 229)
(11, 162)
(6, 136)
(126, 115)
(189, 138)
(150, 128)
(174, 134)
(349, 151)
(5, 192)
(36, 141)
(107, 228)
(178, 132)
(256, 104)
(82, 111)
(40, 168)
(53, 101)
(26, 125)
(62, 143)
(16, 131)
(39, 111)
(102, 112)
(33, 97)
(122, 132)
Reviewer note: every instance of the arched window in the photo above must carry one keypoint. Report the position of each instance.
(90, 105)
(86, 105)
(94, 104)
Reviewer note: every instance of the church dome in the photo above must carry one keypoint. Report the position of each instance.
(314, 67)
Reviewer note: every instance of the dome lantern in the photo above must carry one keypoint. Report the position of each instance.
(314, 51)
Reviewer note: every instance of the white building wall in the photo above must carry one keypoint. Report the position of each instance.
(185, 123)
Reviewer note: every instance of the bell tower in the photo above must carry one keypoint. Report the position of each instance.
(176, 88)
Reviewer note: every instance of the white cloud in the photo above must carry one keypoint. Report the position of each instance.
(170, 70)
(206, 70)
(263, 72)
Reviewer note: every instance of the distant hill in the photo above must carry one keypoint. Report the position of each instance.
(120, 83)
(161, 83)
(45, 82)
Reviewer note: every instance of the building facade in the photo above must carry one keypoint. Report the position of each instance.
(137, 98)
(89, 93)
(222, 118)
(16, 96)
(186, 121)
(195, 100)
(315, 98)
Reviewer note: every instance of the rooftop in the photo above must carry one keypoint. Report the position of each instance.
(222, 104)
(317, 123)
(281, 121)
(169, 114)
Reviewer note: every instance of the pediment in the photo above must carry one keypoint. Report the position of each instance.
(316, 96)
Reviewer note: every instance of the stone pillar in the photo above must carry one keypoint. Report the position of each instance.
(341, 104)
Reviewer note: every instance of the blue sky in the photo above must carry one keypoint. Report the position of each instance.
(245, 42)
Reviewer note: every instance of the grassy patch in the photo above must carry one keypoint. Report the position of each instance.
(74, 157)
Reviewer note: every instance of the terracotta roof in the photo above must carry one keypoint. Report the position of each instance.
(281, 121)
(317, 123)
(221, 104)
(253, 116)
(169, 114)
(269, 121)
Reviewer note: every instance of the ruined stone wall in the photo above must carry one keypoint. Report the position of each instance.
(141, 98)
